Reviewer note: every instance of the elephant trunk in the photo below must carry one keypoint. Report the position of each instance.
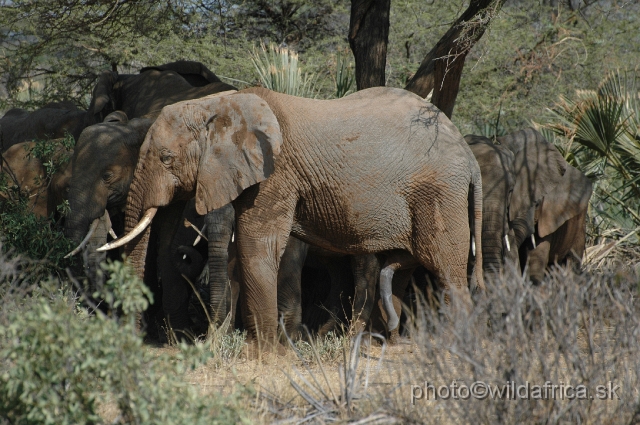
(84, 210)
(493, 225)
(220, 225)
(522, 230)
(136, 249)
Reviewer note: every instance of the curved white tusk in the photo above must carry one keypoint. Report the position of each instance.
(143, 224)
(506, 241)
(92, 228)
(473, 246)
(200, 235)
(112, 233)
(533, 241)
(233, 236)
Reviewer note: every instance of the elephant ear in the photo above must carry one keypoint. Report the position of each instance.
(141, 127)
(567, 200)
(539, 168)
(103, 96)
(117, 116)
(239, 145)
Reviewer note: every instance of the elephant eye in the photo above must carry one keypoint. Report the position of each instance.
(166, 157)
(107, 176)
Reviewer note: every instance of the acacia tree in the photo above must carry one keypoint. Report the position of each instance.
(368, 38)
(66, 42)
(441, 69)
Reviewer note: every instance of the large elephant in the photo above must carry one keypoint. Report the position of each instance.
(52, 121)
(498, 179)
(548, 205)
(381, 171)
(105, 158)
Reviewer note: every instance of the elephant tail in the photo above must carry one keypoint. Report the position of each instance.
(475, 225)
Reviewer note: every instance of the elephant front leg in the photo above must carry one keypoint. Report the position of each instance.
(262, 234)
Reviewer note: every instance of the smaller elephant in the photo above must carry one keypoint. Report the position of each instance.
(548, 205)
(498, 180)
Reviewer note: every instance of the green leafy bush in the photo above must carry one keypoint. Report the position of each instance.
(63, 364)
(23, 231)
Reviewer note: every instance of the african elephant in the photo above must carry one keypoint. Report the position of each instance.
(106, 156)
(381, 171)
(24, 170)
(548, 205)
(498, 179)
(52, 121)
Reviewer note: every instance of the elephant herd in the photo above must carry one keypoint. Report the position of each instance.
(311, 212)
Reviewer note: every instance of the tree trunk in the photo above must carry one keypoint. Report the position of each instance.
(441, 69)
(368, 38)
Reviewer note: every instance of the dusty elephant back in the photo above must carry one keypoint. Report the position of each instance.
(402, 152)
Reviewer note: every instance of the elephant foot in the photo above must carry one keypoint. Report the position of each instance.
(394, 337)
(260, 350)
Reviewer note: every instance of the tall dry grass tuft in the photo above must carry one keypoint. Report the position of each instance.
(567, 351)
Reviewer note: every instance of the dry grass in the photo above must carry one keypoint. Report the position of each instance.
(574, 329)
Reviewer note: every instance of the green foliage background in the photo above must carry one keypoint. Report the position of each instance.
(532, 52)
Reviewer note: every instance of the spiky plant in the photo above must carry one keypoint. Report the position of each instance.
(602, 132)
(279, 70)
(345, 76)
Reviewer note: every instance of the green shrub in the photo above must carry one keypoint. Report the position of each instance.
(63, 364)
(37, 237)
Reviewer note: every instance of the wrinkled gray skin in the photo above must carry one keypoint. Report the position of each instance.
(549, 201)
(383, 171)
(106, 154)
(52, 121)
(498, 179)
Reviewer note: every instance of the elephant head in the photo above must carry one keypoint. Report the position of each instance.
(498, 179)
(103, 163)
(561, 222)
(211, 148)
(539, 169)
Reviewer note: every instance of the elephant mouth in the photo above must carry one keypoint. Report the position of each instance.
(139, 228)
(92, 229)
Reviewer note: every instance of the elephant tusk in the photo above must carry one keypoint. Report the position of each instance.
(506, 241)
(533, 241)
(188, 224)
(112, 233)
(233, 236)
(92, 229)
(200, 235)
(473, 246)
(143, 224)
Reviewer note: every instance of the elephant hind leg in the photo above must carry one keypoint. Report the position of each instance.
(441, 244)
